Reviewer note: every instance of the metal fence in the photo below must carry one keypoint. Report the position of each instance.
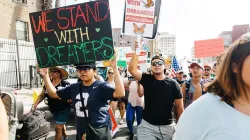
(15, 64)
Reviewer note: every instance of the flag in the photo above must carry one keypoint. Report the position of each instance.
(175, 67)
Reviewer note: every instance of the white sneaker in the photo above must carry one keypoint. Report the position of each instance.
(121, 121)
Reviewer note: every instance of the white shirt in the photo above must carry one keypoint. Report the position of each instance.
(209, 118)
(133, 97)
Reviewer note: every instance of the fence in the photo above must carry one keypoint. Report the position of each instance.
(13, 74)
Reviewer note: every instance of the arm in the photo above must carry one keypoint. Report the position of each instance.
(183, 91)
(179, 107)
(140, 90)
(40, 97)
(4, 129)
(132, 68)
(119, 86)
(49, 86)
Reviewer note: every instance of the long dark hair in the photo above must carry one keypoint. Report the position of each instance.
(229, 85)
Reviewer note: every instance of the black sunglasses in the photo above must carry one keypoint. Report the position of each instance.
(207, 69)
(159, 63)
(84, 68)
(110, 73)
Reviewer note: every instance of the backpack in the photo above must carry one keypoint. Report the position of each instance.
(34, 126)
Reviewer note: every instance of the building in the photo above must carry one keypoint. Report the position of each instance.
(121, 40)
(166, 44)
(239, 30)
(14, 15)
(227, 37)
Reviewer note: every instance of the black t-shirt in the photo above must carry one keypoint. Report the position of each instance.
(180, 82)
(56, 105)
(159, 97)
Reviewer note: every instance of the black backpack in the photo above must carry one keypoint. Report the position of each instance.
(34, 126)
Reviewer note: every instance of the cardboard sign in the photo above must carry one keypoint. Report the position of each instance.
(114, 124)
(141, 17)
(208, 48)
(122, 63)
(73, 34)
(143, 65)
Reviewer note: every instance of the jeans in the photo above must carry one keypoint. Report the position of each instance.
(130, 113)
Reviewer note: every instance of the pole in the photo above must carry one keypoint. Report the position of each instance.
(18, 61)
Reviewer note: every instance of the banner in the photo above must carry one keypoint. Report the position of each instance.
(73, 34)
(208, 48)
(141, 17)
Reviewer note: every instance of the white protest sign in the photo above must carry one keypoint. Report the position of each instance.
(139, 18)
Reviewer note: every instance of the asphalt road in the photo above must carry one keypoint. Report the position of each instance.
(122, 133)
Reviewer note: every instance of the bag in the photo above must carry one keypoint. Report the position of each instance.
(92, 133)
(34, 126)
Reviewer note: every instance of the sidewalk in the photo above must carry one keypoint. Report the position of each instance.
(25, 95)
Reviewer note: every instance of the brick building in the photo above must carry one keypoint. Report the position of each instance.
(14, 15)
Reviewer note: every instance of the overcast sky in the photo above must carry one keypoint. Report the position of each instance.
(190, 19)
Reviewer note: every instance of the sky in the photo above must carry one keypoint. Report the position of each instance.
(190, 20)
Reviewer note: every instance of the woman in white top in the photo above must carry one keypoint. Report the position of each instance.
(110, 79)
(135, 105)
(223, 113)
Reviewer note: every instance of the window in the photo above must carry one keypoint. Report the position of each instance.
(21, 1)
(21, 30)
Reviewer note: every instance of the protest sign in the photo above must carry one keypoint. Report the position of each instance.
(141, 18)
(208, 48)
(73, 34)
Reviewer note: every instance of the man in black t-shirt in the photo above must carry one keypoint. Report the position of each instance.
(160, 93)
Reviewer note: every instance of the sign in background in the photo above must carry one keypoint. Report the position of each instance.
(143, 65)
(141, 17)
(208, 48)
(73, 34)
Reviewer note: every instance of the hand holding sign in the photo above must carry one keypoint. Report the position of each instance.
(42, 71)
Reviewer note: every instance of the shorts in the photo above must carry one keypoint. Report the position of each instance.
(61, 117)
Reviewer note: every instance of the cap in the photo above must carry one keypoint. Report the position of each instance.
(194, 63)
(206, 65)
(85, 65)
(180, 71)
(158, 57)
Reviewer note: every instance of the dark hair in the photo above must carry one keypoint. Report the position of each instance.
(229, 85)
(158, 57)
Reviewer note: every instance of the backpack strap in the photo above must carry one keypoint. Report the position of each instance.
(188, 86)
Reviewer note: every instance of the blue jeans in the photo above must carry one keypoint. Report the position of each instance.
(130, 113)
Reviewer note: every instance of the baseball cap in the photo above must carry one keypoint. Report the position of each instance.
(198, 64)
(206, 65)
(180, 71)
(158, 57)
(93, 65)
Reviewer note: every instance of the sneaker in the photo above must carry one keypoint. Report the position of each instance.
(121, 121)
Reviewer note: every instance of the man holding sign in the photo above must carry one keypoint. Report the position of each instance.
(90, 96)
(160, 92)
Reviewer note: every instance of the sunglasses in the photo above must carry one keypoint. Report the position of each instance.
(207, 69)
(159, 63)
(86, 69)
(110, 73)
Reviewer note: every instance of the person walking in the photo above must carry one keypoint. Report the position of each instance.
(160, 93)
(59, 109)
(135, 106)
(90, 98)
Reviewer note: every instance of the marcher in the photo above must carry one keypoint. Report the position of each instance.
(192, 89)
(110, 79)
(90, 96)
(206, 78)
(4, 128)
(160, 93)
(224, 112)
(135, 106)
(179, 77)
(59, 109)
